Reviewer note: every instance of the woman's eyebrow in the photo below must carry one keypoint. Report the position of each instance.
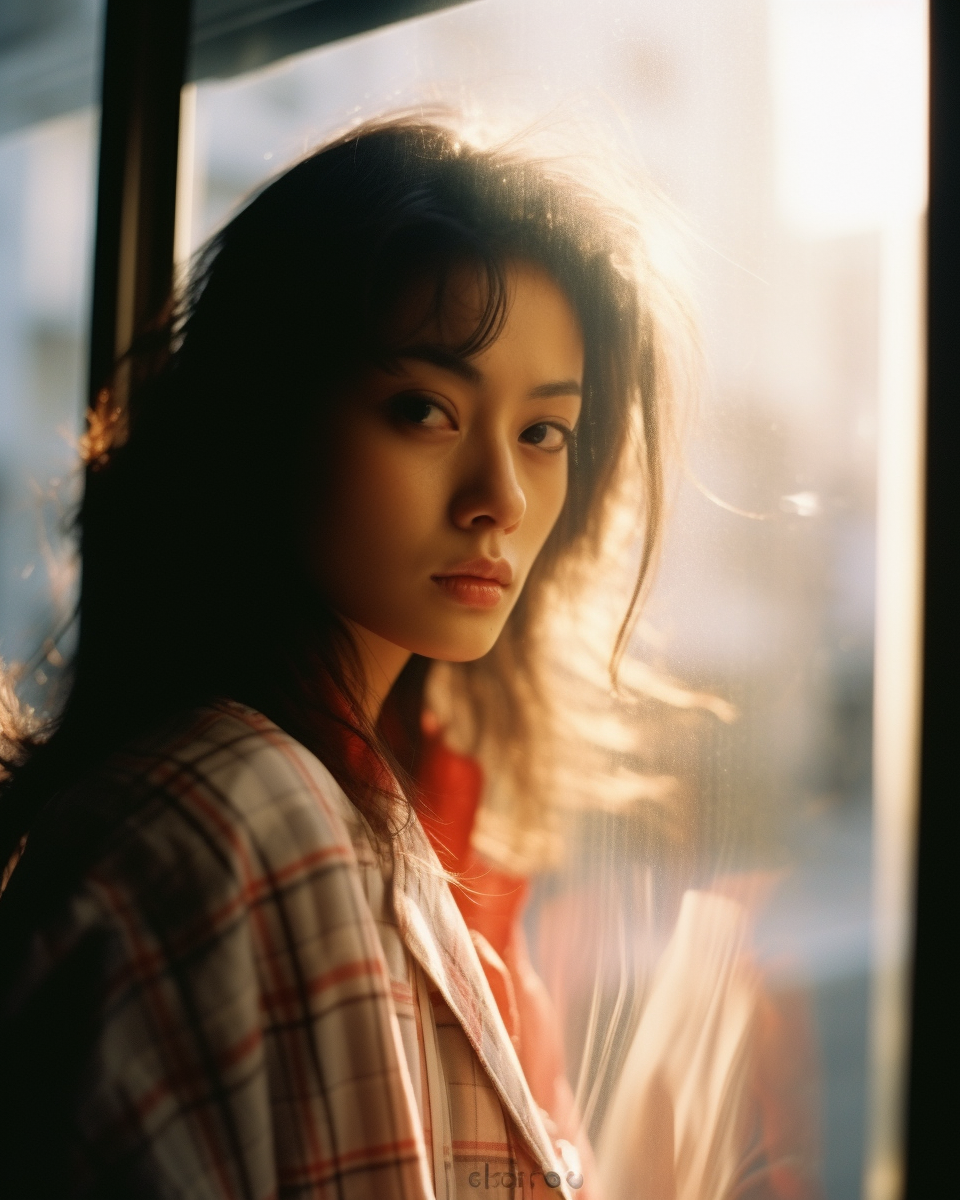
(449, 360)
(563, 387)
(443, 357)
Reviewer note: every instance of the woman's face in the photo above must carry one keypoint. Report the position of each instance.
(439, 478)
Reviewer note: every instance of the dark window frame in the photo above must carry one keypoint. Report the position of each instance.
(932, 1108)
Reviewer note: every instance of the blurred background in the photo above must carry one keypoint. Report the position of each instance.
(788, 136)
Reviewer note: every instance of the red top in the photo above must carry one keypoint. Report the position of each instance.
(450, 785)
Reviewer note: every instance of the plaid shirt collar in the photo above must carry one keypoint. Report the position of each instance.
(434, 932)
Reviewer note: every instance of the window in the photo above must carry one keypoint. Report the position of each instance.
(49, 88)
(723, 924)
(735, 871)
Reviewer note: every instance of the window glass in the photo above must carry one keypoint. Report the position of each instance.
(49, 130)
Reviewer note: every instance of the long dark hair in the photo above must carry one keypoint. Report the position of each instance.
(190, 588)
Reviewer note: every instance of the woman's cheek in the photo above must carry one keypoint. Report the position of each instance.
(399, 495)
(546, 493)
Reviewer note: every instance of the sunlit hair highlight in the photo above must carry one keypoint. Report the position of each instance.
(192, 589)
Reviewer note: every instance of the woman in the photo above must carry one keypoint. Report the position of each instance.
(386, 429)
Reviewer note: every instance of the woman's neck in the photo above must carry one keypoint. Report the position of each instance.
(380, 662)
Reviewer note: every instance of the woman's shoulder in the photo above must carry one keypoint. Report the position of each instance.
(233, 772)
(229, 749)
(231, 769)
(209, 810)
(177, 922)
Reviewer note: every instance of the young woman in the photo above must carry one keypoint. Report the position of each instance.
(247, 947)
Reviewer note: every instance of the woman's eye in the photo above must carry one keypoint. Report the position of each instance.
(421, 411)
(546, 436)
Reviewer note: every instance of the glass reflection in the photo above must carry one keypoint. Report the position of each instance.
(704, 929)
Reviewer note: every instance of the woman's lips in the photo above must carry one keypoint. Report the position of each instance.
(471, 590)
(479, 583)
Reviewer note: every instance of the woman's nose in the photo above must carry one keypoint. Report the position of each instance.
(491, 494)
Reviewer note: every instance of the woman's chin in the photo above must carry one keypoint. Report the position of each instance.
(457, 649)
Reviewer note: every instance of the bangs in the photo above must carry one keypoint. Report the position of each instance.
(457, 291)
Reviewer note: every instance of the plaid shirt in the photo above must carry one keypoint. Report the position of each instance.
(195, 1000)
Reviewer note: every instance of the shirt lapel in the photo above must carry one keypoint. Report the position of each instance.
(436, 935)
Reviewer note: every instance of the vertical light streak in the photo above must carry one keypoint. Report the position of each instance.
(613, 1029)
(897, 692)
